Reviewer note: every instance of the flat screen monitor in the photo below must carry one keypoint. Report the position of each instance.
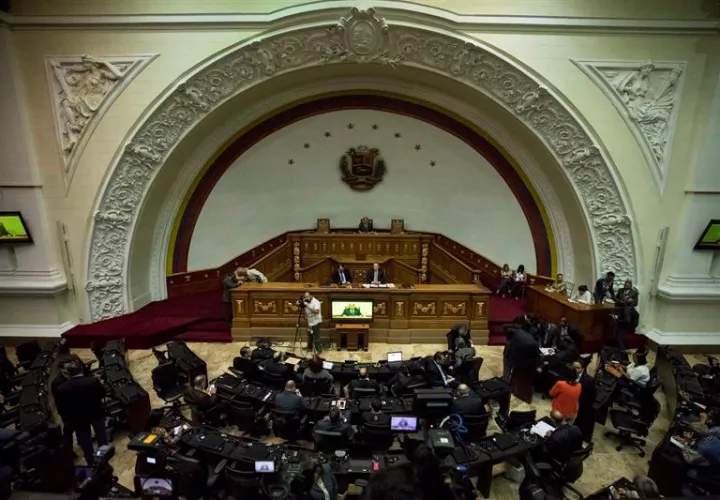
(156, 487)
(13, 228)
(394, 357)
(328, 365)
(403, 423)
(264, 466)
(710, 237)
(345, 310)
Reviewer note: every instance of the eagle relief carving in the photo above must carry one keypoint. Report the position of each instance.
(379, 309)
(457, 309)
(362, 168)
(269, 307)
(424, 309)
(290, 307)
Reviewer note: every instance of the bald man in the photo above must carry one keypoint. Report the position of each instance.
(466, 402)
(290, 399)
(561, 443)
(363, 381)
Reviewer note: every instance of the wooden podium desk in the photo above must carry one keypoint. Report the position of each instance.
(424, 313)
(593, 321)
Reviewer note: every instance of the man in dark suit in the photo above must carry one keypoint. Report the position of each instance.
(585, 419)
(604, 288)
(342, 276)
(230, 281)
(365, 226)
(276, 367)
(79, 400)
(561, 443)
(376, 416)
(376, 276)
(289, 400)
(263, 353)
(363, 381)
(434, 372)
(468, 403)
(335, 423)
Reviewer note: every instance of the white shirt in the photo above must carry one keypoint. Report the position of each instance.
(519, 276)
(313, 318)
(256, 276)
(584, 298)
(638, 374)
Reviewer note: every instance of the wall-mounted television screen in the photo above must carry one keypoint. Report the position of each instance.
(13, 228)
(710, 238)
(351, 310)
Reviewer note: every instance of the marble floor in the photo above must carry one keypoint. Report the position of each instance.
(604, 466)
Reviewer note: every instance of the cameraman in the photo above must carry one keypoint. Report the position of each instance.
(314, 320)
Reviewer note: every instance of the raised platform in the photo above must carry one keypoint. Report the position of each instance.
(421, 314)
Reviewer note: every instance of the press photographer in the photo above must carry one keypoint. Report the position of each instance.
(311, 306)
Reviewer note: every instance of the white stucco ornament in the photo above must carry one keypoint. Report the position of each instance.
(83, 88)
(363, 37)
(646, 94)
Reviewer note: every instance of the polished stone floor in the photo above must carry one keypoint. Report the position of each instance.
(603, 467)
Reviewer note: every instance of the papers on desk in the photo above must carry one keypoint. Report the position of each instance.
(541, 428)
(547, 351)
(380, 285)
(677, 442)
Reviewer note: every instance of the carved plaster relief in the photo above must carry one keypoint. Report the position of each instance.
(646, 94)
(371, 41)
(83, 88)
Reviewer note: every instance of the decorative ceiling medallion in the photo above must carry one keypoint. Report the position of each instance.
(362, 168)
(645, 93)
(83, 89)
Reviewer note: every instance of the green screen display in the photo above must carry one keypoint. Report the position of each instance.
(13, 228)
(710, 238)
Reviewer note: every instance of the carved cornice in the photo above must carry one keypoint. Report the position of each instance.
(646, 94)
(363, 38)
(83, 88)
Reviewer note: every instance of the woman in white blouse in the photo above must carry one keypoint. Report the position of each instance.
(583, 295)
(519, 279)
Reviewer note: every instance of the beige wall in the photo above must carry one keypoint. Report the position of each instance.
(548, 54)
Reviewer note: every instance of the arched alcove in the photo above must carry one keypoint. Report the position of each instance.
(366, 40)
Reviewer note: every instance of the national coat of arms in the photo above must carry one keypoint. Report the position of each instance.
(362, 168)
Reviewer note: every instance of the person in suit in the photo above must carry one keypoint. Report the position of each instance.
(342, 276)
(230, 281)
(335, 423)
(363, 381)
(434, 372)
(315, 371)
(467, 403)
(376, 276)
(521, 358)
(585, 419)
(320, 483)
(276, 367)
(548, 336)
(290, 400)
(465, 353)
(204, 397)
(79, 400)
(604, 288)
(263, 353)
(365, 226)
(244, 364)
(376, 416)
(562, 442)
(627, 299)
(351, 310)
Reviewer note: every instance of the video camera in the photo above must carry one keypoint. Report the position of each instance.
(302, 302)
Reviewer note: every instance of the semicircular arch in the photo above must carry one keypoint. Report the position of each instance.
(363, 38)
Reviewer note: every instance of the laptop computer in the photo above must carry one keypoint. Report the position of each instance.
(394, 357)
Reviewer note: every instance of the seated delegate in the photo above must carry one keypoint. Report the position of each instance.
(363, 381)
(559, 286)
(316, 373)
(435, 372)
(290, 400)
(375, 416)
(375, 276)
(560, 443)
(342, 276)
(467, 403)
(637, 371)
(583, 295)
(334, 422)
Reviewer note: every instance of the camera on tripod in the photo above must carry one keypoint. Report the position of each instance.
(302, 302)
